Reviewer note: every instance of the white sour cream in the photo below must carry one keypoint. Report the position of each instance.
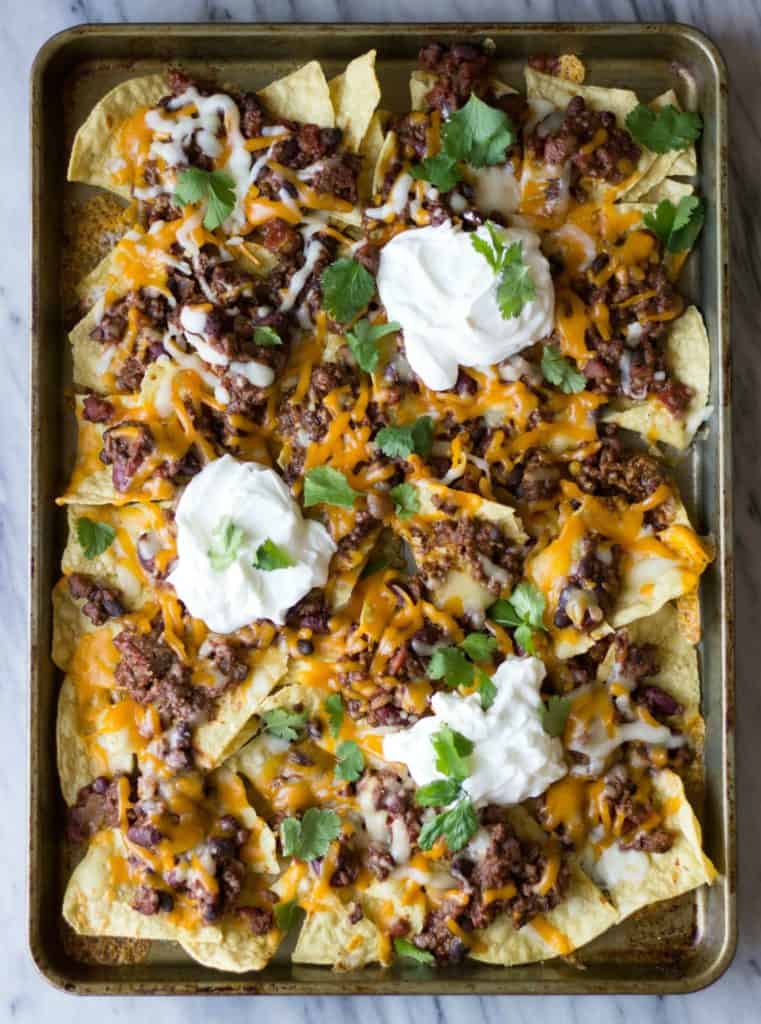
(257, 501)
(444, 294)
(513, 757)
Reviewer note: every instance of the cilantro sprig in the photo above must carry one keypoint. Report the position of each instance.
(561, 372)
(363, 341)
(516, 285)
(328, 485)
(451, 665)
(94, 537)
(663, 130)
(350, 761)
(523, 611)
(267, 337)
(285, 914)
(677, 226)
(334, 707)
(285, 724)
(270, 556)
(309, 838)
(555, 714)
(406, 500)
(347, 288)
(407, 949)
(458, 823)
(476, 134)
(195, 185)
(226, 541)
(399, 442)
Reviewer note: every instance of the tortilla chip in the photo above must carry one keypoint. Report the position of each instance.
(69, 625)
(96, 904)
(355, 94)
(370, 151)
(421, 83)
(303, 95)
(329, 938)
(78, 761)
(219, 738)
(582, 914)
(688, 616)
(678, 671)
(669, 189)
(383, 161)
(119, 565)
(95, 155)
(688, 357)
(560, 92)
(635, 879)
(459, 589)
(662, 164)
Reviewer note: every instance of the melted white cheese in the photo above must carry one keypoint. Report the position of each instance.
(444, 294)
(257, 501)
(513, 757)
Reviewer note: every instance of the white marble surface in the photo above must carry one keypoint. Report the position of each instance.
(24, 25)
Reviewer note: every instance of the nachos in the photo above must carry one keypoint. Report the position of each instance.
(379, 603)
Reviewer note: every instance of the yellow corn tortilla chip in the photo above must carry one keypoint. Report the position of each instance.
(581, 915)
(329, 938)
(669, 189)
(303, 95)
(458, 588)
(78, 761)
(688, 616)
(69, 625)
(662, 164)
(95, 154)
(383, 161)
(688, 358)
(355, 94)
(370, 150)
(635, 879)
(119, 565)
(238, 952)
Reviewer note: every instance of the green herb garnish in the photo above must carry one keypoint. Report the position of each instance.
(94, 537)
(216, 187)
(328, 485)
(309, 838)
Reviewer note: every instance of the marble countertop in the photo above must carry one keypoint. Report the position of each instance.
(735, 25)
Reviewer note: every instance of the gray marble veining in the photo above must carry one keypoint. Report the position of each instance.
(736, 27)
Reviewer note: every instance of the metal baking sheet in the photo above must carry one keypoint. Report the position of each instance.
(677, 947)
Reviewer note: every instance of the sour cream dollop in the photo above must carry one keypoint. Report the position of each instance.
(259, 503)
(444, 294)
(513, 757)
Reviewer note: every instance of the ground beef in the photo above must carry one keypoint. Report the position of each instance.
(151, 901)
(591, 589)
(620, 793)
(251, 115)
(125, 448)
(338, 175)
(436, 936)
(311, 612)
(611, 161)
(379, 860)
(96, 808)
(347, 866)
(308, 144)
(369, 256)
(101, 602)
(259, 919)
(634, 662)
(130, 375)
(96, 410)
(226, 658)
(460, 70)
(539, 478)
(151, 673)
(112, 324)
(612, 471)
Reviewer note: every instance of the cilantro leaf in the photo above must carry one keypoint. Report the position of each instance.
(225, 544)
(555, 714)
(561, 371)
(267, 337)
(270, 555)
(487, 691)
(677, 226)
(451, 748)
(325, 484)
(347, 287)
(516, 286)
(399, 442)
(438, 793)
(405, 948)
(309, 838)
(477, 133)
(663, 130)
(441, 170)
(451, 665)
(334, 707)
(285, 914)
(94, 537)
(479, 646)
(523, 611)
(351, 761)
(216, 187)
(363, 341)
(406, 500)
(457, 825)
(284, 724)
